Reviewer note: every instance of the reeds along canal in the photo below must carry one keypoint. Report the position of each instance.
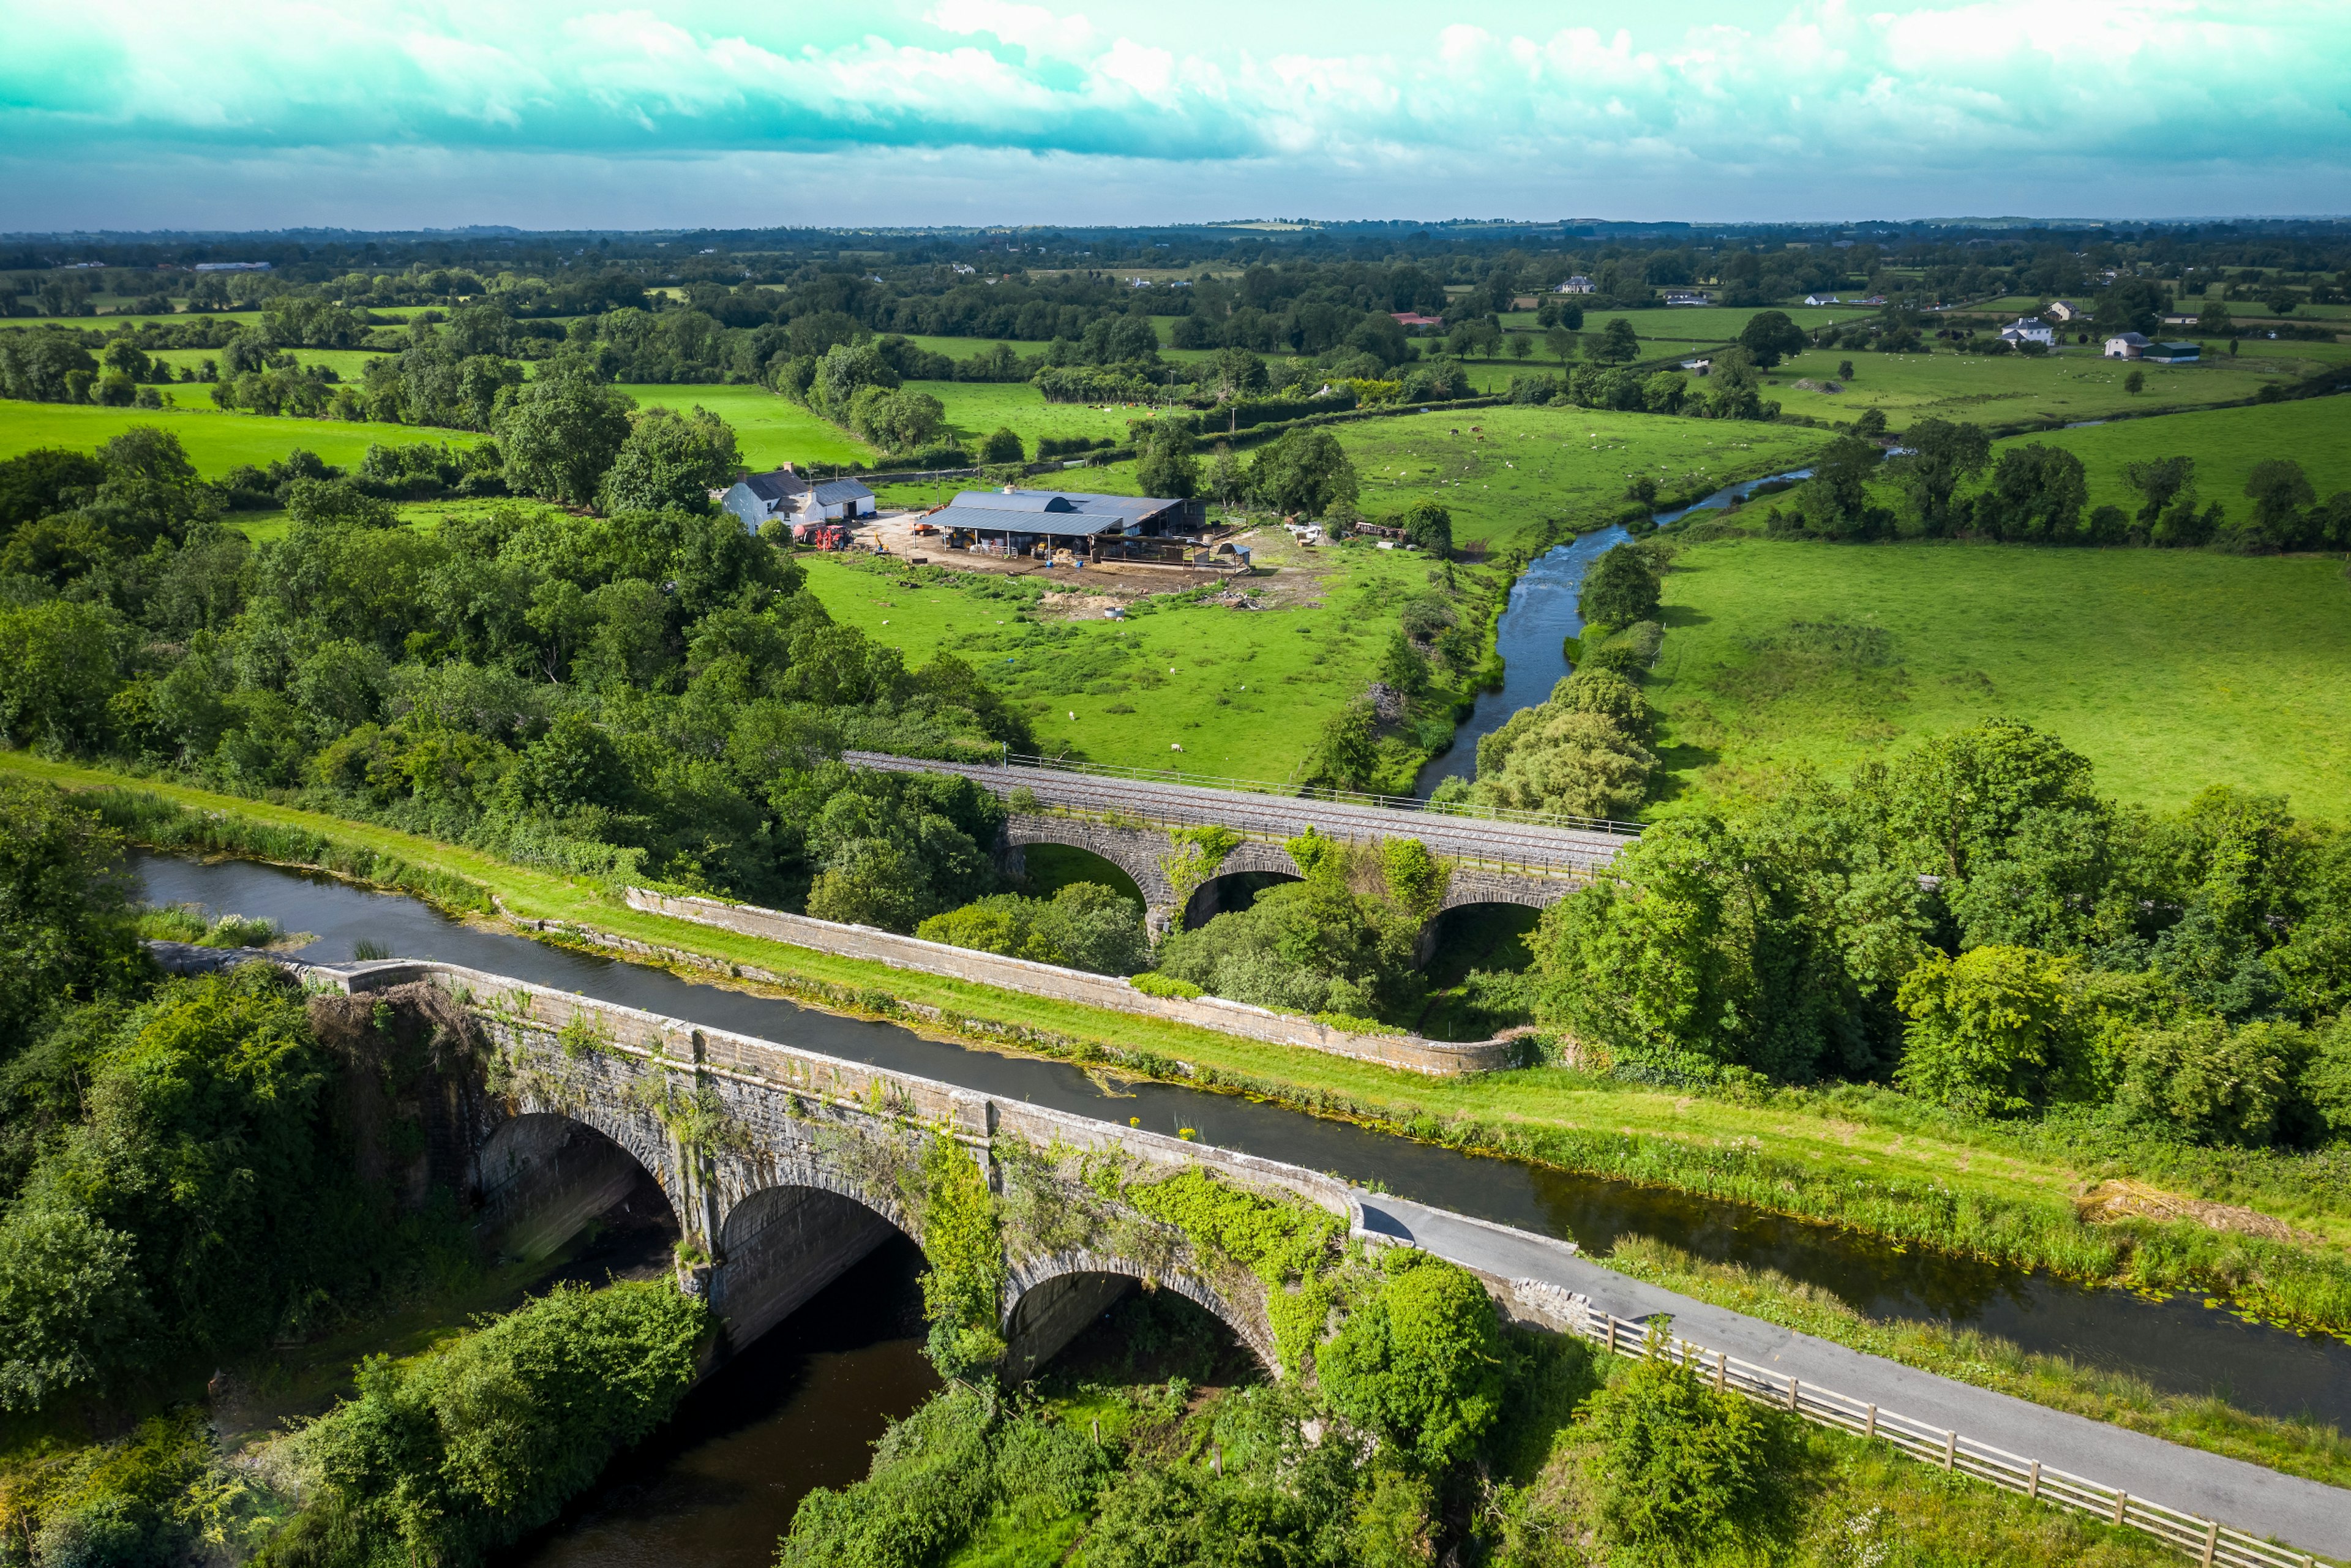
(2178, 1344)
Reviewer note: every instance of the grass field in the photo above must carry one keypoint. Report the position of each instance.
(2009, 389)
(975, 410)
(1695, 323)
(215, 441)
(108, 323)
(2226, 444)
(1243, 692)
(2171, 670)
(1499, 469)
(769, 429)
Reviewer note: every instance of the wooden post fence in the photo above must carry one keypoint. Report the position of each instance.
(2211, 1543)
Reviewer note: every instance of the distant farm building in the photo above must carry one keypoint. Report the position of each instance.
(1578, 283)
(2065, 310)
(2173, 353)
(2127, 346)
(1822, 299)
(1686, 296)
(795, 499)
(1408, 319)
(2026, 329)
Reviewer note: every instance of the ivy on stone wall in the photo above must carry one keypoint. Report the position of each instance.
(956, 1220)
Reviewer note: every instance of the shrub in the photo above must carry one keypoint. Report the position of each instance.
(1681, 1466)
(1083, 925)
(1153, 984)
(1420, 1363)
(470, 1448)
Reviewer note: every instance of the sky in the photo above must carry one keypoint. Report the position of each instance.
(245, 114)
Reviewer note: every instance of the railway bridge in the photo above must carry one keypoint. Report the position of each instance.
(1137, 821)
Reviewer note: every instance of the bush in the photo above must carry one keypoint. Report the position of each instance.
(1987, 1029)
(1684, 1468)
(1420, 1363)
(469, 1449)
(1151, 983)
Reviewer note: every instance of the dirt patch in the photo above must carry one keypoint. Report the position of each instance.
(2119, 1200)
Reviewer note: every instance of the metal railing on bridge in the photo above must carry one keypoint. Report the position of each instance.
(2207, 1540)
(1340, 796)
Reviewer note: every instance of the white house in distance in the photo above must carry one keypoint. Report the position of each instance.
(1822, 299)
(2028, 329)
(2065, 310)
(1686, 296)
(1578, 283)
(2127, 346)
(757, 497)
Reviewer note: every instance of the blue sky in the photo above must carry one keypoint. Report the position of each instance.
(251, 113)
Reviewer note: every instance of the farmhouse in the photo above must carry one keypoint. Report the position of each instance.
(758, 497)
(2173, 353)
(2126, 345)
(2065, 310)
(1820, 299)
(1686, 296)
(1016, 521)
(1578, 283)
(1408, 319)
(2027, 329)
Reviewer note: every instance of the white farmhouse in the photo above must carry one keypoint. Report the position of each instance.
(2126, 345)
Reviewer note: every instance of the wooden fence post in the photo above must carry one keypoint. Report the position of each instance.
(1870, 1429)
(1792, 1393)
(1612, 1334)
(2032, 1483)
(1950, 1449)
(2122, 1501)
(2211, 1540)
(1722, 1370)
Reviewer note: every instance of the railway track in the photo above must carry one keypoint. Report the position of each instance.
(1534, 848)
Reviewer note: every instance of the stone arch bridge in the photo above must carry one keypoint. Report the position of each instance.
(1131, 823)
(784, 1166)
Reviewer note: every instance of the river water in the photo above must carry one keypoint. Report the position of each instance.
(1534, 627)
(800, 1419)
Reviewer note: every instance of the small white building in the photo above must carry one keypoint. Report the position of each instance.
(1686, 296)
(1578, 283)
(2126, 345)
(2029, 329)
(2065, 310)
(757, 497)
(1822, 299)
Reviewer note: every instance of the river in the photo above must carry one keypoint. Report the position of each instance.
(799, 1408)
(1536, 623)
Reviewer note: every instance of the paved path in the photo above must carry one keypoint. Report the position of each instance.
(2306, 1515)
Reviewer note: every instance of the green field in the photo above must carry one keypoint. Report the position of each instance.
(1243, 692)
(215, 441)
(769, 429)
(1695, 323)
(1499, 469)
(2171, 670)
(2010, 389)
(108, 323)
(2225, 442)
(974, 409)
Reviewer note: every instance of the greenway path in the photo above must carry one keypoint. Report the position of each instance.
(2303, 1513)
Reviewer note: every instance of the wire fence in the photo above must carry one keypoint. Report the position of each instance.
(2208, 1542)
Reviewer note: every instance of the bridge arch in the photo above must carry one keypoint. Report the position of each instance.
(781, 1245)
(544, 1174)
(1049, 1302)
(1136, 852)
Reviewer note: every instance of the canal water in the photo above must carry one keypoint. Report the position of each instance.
(1535, 624)
(731, 1430)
